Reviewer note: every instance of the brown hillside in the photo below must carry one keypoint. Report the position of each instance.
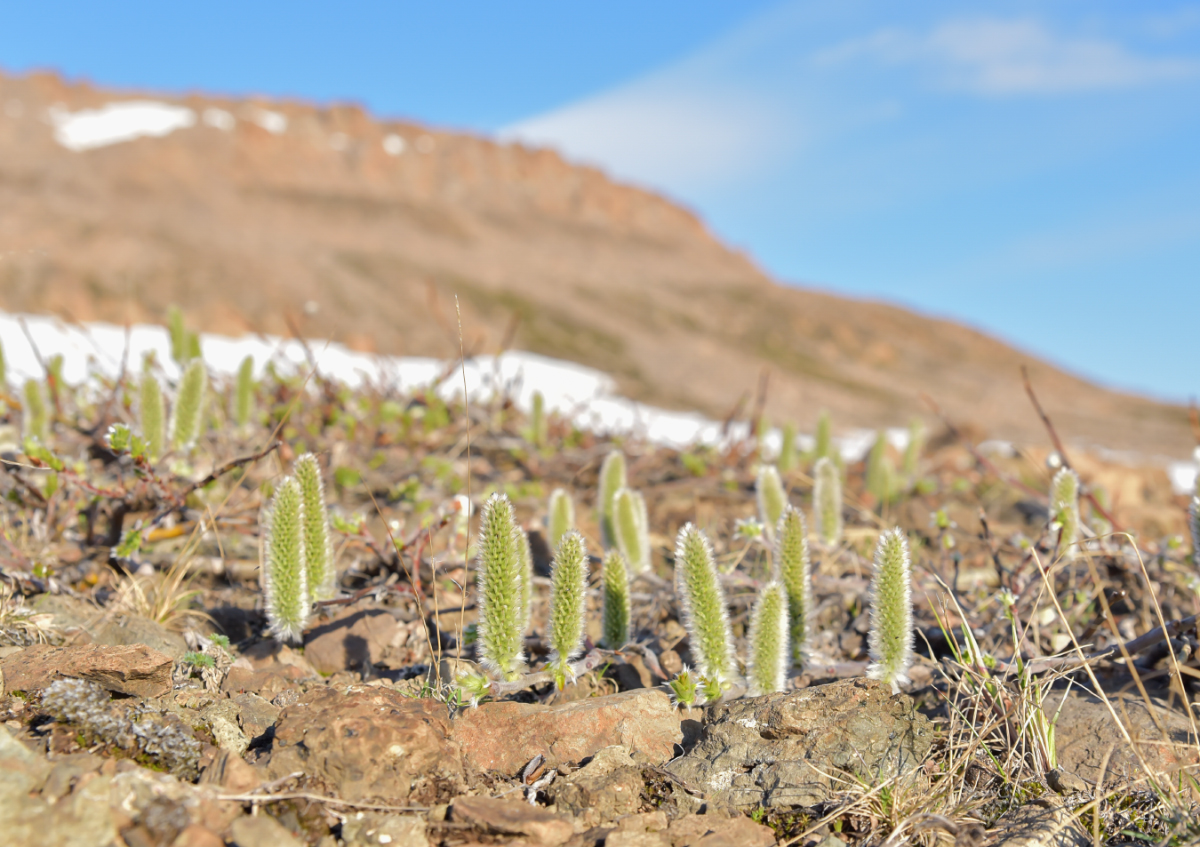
(243, 227)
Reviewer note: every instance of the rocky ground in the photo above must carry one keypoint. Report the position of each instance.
(142, 703)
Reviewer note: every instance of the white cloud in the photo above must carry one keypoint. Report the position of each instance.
(998, 57)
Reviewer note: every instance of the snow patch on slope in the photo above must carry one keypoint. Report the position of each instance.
(113, 123)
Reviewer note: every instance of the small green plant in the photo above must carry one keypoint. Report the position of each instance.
(772, 498)
(827, 501)
(631, 526)
(703, 602)
(568, 586)
(891, 636)
(538, 428)
(243, 398)
(498, 575)
(912, 451)
(561, 517)
(788, 458)
(769, 652)
(153, 417)
(793, 566)
(185, 345)
(35, 420)
(285, 578)
(189, 407)
(1064, 511)
(685, 689)
(320, 570)
(617, 606)
(823, 448)
(612, 480)
(877, 471)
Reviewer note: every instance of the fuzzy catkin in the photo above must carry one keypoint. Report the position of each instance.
(877, 473)
(1064, 511)
(912, 451)
(285, 577)
(769, 641)
(824, 437)
(827, 501)
(568, 586)
(243, 398)
(189, 406)
(793, 567)
(1194, 523)
(617, 606)
(35, 420)
(612, 479)
(629, 523)
(561, 517)
(787, 448)
(771, 497)
(891, 637)
(318, 542)
(498, 580)
(537, 420)
(153, 417)
(703, 602)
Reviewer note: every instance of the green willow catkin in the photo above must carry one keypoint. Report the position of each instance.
(568, 587)
(912, 451)
(243, 398)
(703, 602)
(189, 406)
(1064, 511)
(827, 501)
(560, 518)
(318, 542)
(769, 641)
(35, 420)
(612, 479)
(891, 637)
(787, 449)
(179, 342)
(537, 420)
(526, 552)
(771, 497)
(617, 606)
(877, 472)
(1194, 515)
(629, 524)
(824, 437)
(153, 417)
(498, 579)
(793, 570)
(285, 580)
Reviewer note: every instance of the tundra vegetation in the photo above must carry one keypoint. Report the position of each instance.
(252, 513)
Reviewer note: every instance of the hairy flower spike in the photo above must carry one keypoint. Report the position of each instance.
(877, 471)
(36, 421)
(827, 501)
(793, 571)
(561, 518)
(703, 603)
(824, 437)
(568, 586)
(285, 579)
(526, 578)
(769, 641)
(318, 543)
(498, 574)
(612, 479)
(771, 497)
(538, 432)
(189, 406)
(912, 452)
(617, 606)
(243, 398)
(891, 636)
(1064, 511)
(1194, 515)
(153, 417)
(787, 450)
(630, 523)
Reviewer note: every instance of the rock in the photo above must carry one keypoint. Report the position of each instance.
(267, 683)
(1065, 782)
(261, 831)
(648, 829)
(716, 830)
(368, 829)
(194, 835)
(222, 718)
(134, 669)
(348, 642)
(255, 715)
(123, 630)
(1085, 731)
(368, 742)
(511, 817)
(605, 789)
(504, 736)
(232, 773)
(21, 770)
(777, 750)
(81, 819)
(1037, 825)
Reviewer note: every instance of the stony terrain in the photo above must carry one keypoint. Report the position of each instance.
(142, 702)
(246, 226)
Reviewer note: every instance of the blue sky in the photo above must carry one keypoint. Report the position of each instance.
(1032, 169)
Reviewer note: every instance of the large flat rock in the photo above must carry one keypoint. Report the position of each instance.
(132, 669)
